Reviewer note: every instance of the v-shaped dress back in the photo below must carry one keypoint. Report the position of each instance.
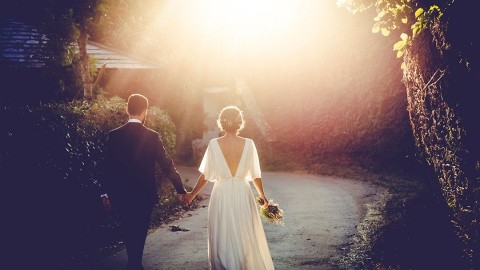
(236, 239)
(233, 174)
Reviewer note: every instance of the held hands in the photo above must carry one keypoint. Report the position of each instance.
(190, 197)
(183, 199)
(186, 198)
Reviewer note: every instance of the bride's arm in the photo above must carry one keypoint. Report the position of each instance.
(201, 183)
(257, 182)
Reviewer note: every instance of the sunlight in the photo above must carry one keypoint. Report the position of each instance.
(234, 24)
(291, 38)
(244, 24)
(216, 39)
(251, 19)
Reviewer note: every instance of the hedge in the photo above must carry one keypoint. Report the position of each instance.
(52, 163)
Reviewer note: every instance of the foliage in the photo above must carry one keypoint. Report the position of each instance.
(406, 227)
(399, 15)
(66, 24)
(145, 28)
(53, 155)
(273, 214)
(444, 132)
(122, 24)
(58, 20)
(440, 73)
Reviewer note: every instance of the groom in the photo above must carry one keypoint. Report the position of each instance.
(130, 183)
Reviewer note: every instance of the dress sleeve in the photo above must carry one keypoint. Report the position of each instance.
(253, 163)
(207, 167)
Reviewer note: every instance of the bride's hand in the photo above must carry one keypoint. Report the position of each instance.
(265, 202)
(190, 197)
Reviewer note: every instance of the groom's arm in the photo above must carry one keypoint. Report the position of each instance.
(166, 163)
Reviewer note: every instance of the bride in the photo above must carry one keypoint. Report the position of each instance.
(236, 239)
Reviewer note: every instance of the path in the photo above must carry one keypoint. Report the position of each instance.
(321, 214)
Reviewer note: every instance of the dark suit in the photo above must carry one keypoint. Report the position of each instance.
(132, 151)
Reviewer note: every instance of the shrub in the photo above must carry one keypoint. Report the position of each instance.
(52, 161)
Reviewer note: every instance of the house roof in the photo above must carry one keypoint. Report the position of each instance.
(117, 59)
(21, 45)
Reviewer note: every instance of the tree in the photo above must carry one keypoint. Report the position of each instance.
(83, 11)
(67, 24)
(81, 14)
(442, 77)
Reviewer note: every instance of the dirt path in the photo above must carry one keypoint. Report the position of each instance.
(321, 215)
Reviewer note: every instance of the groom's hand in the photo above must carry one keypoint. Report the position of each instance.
(183, 198)
(106, 203)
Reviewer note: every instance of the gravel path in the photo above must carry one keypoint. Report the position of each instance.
(321, 216)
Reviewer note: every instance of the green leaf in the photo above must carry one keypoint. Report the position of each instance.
(376, 28)
(418, 12)
(381, 14)
(400, 53)
(415, 30)
(385, 32)
(404, 20)
(404, 37)
(399, 45)
(434, 8)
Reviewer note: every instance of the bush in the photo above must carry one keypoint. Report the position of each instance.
(51, 162)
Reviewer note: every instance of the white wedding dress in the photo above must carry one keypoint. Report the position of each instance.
(236, 239)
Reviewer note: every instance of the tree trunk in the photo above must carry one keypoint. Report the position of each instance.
(442, 127)
(84, 67)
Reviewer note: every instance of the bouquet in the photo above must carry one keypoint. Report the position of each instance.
(272, 213)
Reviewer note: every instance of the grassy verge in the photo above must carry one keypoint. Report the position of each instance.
(406, 228)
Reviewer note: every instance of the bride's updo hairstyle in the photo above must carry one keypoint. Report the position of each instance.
(230, 119)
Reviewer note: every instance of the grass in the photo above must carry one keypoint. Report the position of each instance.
(407, 228)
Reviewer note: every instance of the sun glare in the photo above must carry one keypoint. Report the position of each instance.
(245, 23)
(251, 18)
(240, 32)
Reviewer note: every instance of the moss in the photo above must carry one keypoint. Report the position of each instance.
(441, 127)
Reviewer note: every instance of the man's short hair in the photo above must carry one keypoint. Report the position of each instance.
(137, 104)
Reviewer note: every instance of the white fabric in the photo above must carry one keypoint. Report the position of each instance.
(215, 167)
(236, 239)
(134, 120)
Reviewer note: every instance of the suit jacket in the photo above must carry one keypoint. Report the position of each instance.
(132, 151)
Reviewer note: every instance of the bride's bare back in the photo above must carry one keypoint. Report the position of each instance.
(232, 149)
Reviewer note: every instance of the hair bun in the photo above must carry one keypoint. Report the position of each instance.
(230, 119)
(227, 122)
